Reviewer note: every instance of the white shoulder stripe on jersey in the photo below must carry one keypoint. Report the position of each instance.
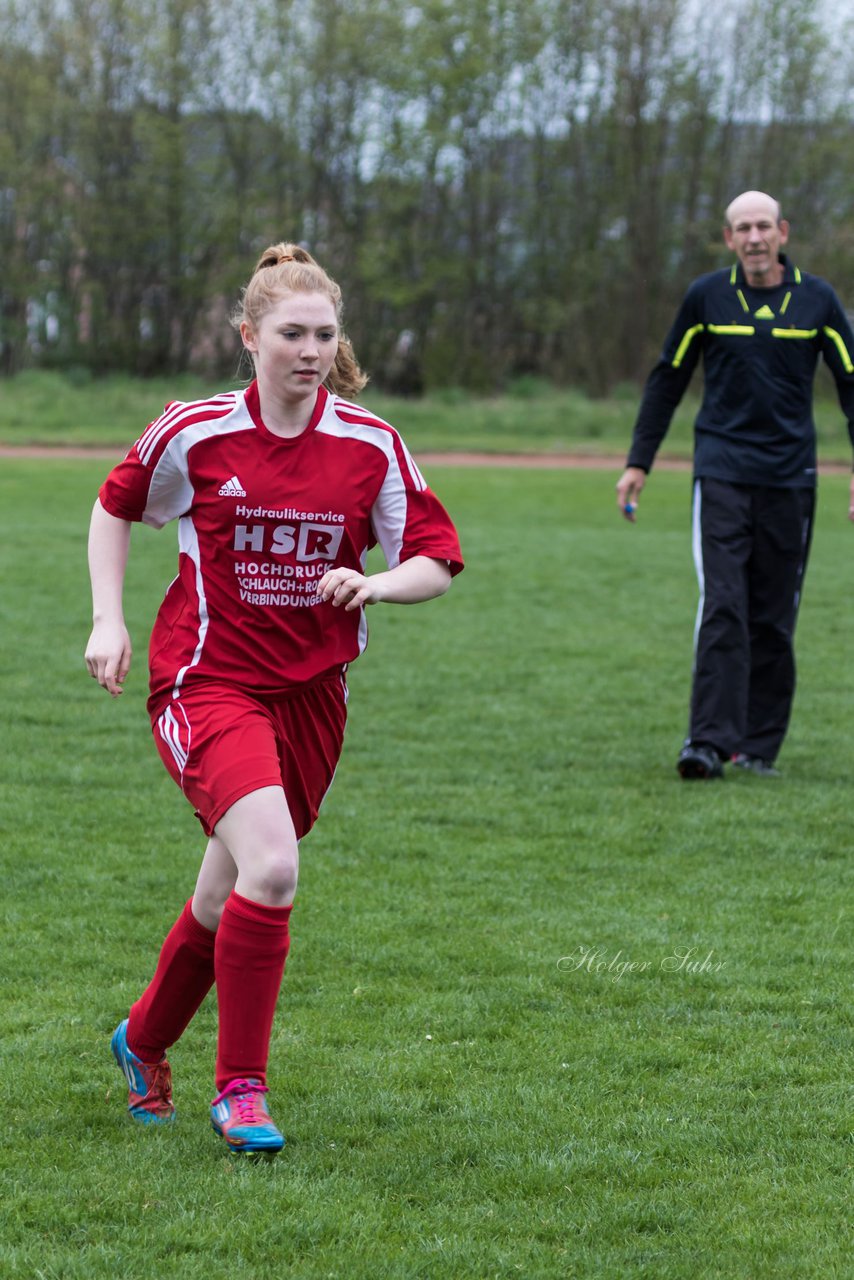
(347, 406)
(175, 411)
(181, 407)
(371, 430)
(170, 489)
(388, 517)
(147, 445)
(417, 478)
(219, 407)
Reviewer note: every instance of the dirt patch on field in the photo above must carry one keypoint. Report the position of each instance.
(426, 459)
(93, 452)
(576, 461)
(542, 461)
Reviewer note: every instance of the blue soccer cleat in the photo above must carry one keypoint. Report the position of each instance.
(150, 1085)
(239, 1115)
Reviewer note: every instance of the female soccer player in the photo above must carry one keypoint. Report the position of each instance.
(279, 491)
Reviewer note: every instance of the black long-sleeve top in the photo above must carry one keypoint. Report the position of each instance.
(760, 349)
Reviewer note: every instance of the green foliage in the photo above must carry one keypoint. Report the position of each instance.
(526, 186)
(532, 417)
(43, 408)
(462, 1097)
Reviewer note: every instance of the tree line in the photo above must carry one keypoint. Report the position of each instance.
(502, 187)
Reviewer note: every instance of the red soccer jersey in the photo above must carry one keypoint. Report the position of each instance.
(261, 519)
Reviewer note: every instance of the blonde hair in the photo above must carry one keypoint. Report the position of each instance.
(288, 268)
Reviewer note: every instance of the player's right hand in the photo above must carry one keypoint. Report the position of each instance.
(108, 656)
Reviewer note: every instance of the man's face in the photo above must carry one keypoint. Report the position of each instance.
(756, 234)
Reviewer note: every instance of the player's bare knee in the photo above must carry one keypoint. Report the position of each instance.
(276, 879)
(208, 908)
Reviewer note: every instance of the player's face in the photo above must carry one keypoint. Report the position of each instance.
(294, 345)
(756, 235)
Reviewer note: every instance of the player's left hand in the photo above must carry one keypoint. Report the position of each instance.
(348, 587)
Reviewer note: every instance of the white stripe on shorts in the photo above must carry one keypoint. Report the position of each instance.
(171, 730)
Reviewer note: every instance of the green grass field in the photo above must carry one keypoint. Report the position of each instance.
(472, 1084)
(40, 407)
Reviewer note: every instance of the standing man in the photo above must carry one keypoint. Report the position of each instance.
(761, 327)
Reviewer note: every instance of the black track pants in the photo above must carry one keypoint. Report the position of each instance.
(750, 549)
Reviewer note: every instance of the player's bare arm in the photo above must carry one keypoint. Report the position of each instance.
(108, 653)
(418, 579)
(629, 487)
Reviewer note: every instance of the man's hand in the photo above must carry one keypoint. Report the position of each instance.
(629, 488)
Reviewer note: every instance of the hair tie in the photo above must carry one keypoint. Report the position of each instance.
(285, 257)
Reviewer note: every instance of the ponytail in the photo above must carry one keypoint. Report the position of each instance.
(288, 268)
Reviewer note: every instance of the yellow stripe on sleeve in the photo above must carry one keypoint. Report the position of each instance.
(844, 356)
(687, 339)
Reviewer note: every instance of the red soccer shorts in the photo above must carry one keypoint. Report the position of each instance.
(220, 742)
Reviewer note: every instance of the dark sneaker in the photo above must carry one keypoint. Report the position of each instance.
(699, 762)
(149, 1084)
(755, 764)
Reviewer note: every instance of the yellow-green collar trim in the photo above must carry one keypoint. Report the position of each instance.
(787, 267)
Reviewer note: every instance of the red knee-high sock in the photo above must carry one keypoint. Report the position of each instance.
(183, 977)
(251, 948)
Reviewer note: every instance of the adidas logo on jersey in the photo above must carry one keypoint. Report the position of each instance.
(232, 489)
